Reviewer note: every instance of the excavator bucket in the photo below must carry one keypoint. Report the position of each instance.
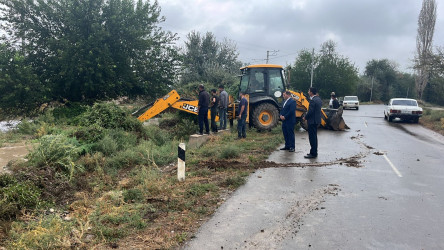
(334, 119)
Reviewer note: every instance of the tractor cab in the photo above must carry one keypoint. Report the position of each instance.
(264, 85)
(263, 81)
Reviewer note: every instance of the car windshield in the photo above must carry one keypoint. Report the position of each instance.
(405, 102)
(350, 98)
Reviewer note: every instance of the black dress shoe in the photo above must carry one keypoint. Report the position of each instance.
(284, 148)
(309, 156)
(291, 150)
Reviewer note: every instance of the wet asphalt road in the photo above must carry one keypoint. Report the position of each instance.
(379, 185)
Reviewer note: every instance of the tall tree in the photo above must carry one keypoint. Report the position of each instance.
(20, 87)
(382, 74)
(424, 39)
(93, 49)
(206, 59)
(333, 72)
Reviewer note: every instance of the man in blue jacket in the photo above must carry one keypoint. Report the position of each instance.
(313, 118)
(288, 117)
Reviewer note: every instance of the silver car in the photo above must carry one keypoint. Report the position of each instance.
(350, 102)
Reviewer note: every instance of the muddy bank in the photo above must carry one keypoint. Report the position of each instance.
(12, 151)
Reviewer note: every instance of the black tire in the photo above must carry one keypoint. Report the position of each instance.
(265, 116)
(385, 117)
(390, 119)
(415, 120)
(357, 108)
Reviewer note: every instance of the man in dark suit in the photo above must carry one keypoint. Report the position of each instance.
(288, 117)
(313, 118)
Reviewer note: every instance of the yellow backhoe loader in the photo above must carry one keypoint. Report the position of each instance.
(263, 85)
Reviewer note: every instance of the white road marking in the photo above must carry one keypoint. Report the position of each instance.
(365, 123)
(393, 166)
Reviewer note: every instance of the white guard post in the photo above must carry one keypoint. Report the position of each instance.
(181, 162)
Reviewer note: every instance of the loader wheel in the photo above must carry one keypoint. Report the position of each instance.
(265, 116)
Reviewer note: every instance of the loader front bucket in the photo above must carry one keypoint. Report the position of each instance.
(335, 120)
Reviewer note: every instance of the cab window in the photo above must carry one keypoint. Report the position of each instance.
(276, 81)
(257, 81)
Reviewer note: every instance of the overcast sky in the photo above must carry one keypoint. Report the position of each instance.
(363, 29)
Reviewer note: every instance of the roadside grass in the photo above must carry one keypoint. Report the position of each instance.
(433, 119)
(104, 185)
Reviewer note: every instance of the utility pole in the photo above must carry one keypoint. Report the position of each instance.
(273, 53)
(371, 90)
(312, 66)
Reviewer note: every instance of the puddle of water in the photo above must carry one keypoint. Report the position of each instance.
(6, 126)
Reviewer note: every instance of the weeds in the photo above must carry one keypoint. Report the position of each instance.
(47, 232)
(57, 151)
(119, 167)
(16, 196)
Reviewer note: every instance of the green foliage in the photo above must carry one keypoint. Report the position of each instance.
(146, 153)
(85, 50)
(16, 196)
(46, 232)
(109, 116)
(69, 111)
(56, 151)
(206, 60)
(21, 89)
(332, 72)
(383, 74)
(157, 135)
(113, 141)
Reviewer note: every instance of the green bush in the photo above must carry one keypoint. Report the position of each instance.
(69, 112)
(28, 127)
(89, 134)
(110, 116)
(6, 180)
(17, 196)
(107, 145)
(56, 151)
(113, 141)
(157, 135)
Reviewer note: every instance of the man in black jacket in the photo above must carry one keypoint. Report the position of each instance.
(213, 109)
(202, 109)
(313, 118)
(288, 117)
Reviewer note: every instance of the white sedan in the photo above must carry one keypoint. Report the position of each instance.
(403, 108)
(350, 102)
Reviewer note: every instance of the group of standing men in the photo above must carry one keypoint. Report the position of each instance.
(217, 104)
(313, 118)
(287, 115)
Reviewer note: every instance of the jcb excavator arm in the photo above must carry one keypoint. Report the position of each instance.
(172, 99)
